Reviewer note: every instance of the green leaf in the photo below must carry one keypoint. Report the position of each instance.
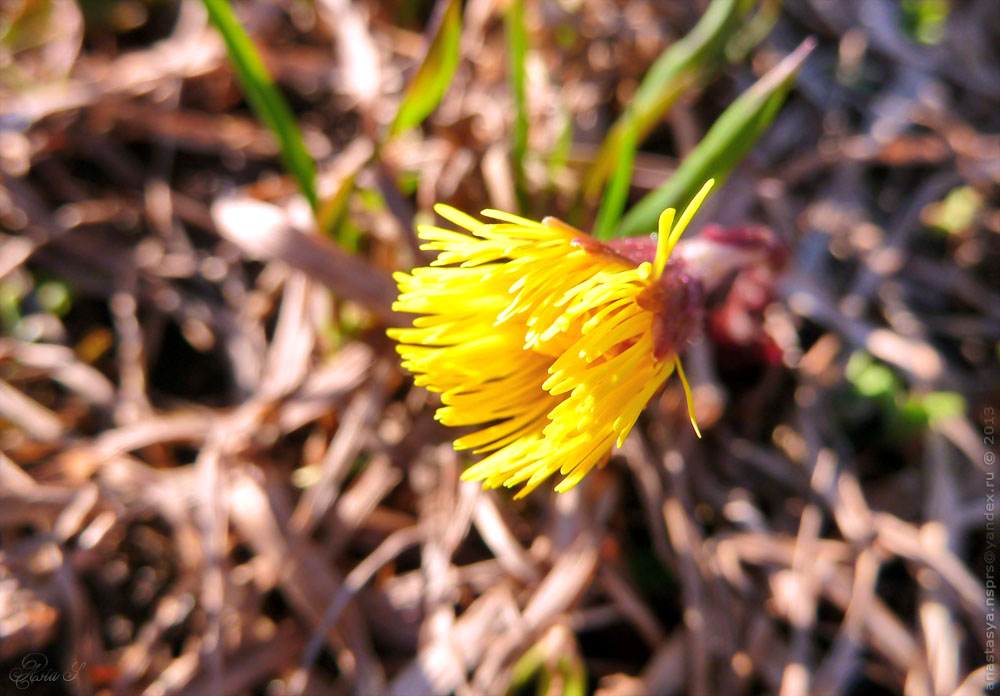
(434, 74)
(12, 291)
(25, 25)
(871, 378)
(957, 212)
(926, 20)
(55, 297)
(933, 408)
(722, 148)
(264, 98)
(683, 64)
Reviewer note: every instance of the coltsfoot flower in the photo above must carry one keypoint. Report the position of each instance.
(551, 340)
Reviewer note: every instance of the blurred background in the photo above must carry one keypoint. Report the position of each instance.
(215, 478)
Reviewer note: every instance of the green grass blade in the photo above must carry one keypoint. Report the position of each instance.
(574, 675)
(525, 669)
(330, 212)
(264, 98)
(753, 30)
(617, 190)
(517, 48)
(559, 155)
(679, 67)
(434, 74)
(722, 148)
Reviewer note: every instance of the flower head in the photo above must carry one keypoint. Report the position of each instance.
(550, 340)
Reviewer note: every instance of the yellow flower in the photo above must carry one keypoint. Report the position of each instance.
(551, 340)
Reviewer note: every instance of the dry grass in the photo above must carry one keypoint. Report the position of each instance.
(215, 479)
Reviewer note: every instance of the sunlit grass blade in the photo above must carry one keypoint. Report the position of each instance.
(674, 72)
(264, 97)
(722, 148)
(517, 48)
(435, 72)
